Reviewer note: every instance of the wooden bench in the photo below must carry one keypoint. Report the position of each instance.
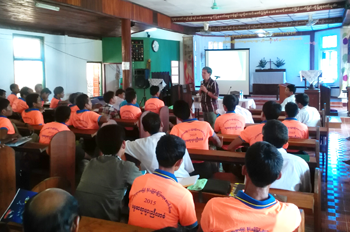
(257, 118)
(7, 177)
(335, 122)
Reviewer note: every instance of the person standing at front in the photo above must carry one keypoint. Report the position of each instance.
(209, 92)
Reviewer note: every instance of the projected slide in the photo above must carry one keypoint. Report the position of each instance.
(232, 67)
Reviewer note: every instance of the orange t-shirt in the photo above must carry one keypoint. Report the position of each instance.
(195, 133)
(6, 124)
(243, 213)
(230, 124)
(33, 117)
(252, 134)
(49, 130)
(73, 111)
(54, 103)
(19, 105)
(85, 119)
(130, 112)
(296, 129)
(12, 97)
(157, 201)
(154, 104)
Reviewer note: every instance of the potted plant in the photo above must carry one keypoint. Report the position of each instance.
(279, 63)
(262, 63)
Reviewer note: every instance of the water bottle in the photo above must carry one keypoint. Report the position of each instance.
(241, 94)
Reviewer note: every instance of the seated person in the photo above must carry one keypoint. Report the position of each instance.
(296, 129)
(120, 93)
(230, 123)
(14, 91)
(308, 115)
(19, 104)
(108, 109)
(157, 200)
(252, 134)
(106, 178)
(2, 93)
(144, 149)
(38, 88)
(84, 117)
(295, 171)
(131, 110)
(254, 207)
(52, 210)
(58, 95)
(290, 94)
(73, 107)
(33, 115)
(45, 93)
(6, 111)
(124, 103)
(154, 104)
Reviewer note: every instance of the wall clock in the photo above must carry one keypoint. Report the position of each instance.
(155, 46)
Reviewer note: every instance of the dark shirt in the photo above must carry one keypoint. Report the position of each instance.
(210, 104)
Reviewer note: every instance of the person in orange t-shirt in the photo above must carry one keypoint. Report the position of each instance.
(254, 207)
(73, 107)
(33, 115)
(230, 123)
(154, 104)
(296, 129)
(84, 117)
(58, 94)
(252, 134)
(6, 111)
(130, 111)
(157, 200)
(19, 104)
(14, 91)
(44, 95)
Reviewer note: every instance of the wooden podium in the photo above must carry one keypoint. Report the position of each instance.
(314, 97)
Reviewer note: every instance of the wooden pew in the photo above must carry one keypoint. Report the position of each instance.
(257, 118)
(7, 177)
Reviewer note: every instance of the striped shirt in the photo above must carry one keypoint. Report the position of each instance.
(210, 104)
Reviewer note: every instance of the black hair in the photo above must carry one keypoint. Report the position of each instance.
(24, 91)
(109, 139)
(46, 90)
(170, 149)
(291, 109)
(107, 97)
(271, 110)
(58, 90)
(275, 132)
(154, 90)
(12, 86)
(173, 229)
(292, 88)
(209, 70)
(130, 96)
(129, 90)
(2, 92)
(73, 97)
(31, 99)
(302, 98)
(264, 163)
(230, 102)
(151, 123)
(81, 101)
(181, 110)
(62, 114)
(4, 103)
(59, 220)
(119, 91)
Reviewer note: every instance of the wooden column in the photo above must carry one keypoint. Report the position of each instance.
(126, 53)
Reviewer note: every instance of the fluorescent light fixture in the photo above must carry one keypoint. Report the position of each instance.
(46, 6)
(261, 35)
(151, 29)
(260, 31)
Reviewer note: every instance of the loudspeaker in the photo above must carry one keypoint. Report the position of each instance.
(141, 77)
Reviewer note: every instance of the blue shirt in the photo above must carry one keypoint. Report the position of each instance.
(124, 103)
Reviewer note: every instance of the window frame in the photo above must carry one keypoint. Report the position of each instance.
(178, 71)
(42, 53)
(322, 50)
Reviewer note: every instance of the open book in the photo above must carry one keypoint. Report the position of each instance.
(188, 181)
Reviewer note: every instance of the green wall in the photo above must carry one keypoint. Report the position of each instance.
(160, 61)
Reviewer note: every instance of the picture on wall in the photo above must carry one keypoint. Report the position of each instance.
(137, 50)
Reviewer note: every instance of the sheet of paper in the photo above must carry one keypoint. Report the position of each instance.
(188, 181)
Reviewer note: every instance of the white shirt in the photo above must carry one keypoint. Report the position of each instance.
(117, 103)
(288, 99)
(145, 151)
(295, 174)
(309, 116)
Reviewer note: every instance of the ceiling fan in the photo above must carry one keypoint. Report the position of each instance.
(311, 21)
(215, 6)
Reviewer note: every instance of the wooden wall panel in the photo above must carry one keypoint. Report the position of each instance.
(142, 14)
(164, 21)
(74, 2)
(108, 6)
(95, 5)
(123, 9)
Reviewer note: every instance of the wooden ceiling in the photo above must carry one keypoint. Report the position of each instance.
(23, 15)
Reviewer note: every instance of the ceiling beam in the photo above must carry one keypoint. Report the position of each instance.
(260, 13)
(272, 25)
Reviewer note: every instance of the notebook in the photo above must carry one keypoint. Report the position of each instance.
(18, 142)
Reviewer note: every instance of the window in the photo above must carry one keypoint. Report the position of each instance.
(221, 45)
(175, 72)
(93, 77)
(210, 45)
(215, 45)
(329, 41)
(28, 58)
(329, 59)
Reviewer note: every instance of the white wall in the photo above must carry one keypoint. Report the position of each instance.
(167, 35)
(60, 69)
(295, 50)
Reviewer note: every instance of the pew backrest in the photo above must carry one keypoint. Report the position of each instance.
(7, 177)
